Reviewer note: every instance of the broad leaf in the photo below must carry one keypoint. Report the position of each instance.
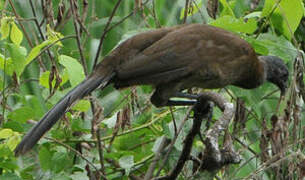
(278, 46)
(16, 35)
(1, 83)
(54, 36)
(59, 161)
(82, 105)
(22, 114)
(13, 141)
(259, 47)
(45, 157)
(227, 10)
(7, 65)
(235, 25)
(35, 51)
(4, 28)
(18, 58)
(74, 68)
(44, 79)
(287, 15)
(6, 133)
(126, 162)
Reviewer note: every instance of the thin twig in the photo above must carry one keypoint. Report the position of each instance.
(52, 44)
(26, 19)
(125, 132)
(100, 151)
(202, 110)
(149, 172)
(21, 25)
(174, 120)
(122, 20)
(268, 17)
(186, 8)
(170, 148)
(78, 38)
(99, 49)
(77, 153)
(41, 35)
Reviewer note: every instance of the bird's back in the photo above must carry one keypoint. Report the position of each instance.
(171, 54)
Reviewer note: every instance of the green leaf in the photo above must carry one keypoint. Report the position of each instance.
(268, 7)
(54, 36)
(126, 162)
(75, 70)
(22, 114)
(259, 47)
(157, 144)
(79, 176)
(241, 6)
(4, 151)
(35, 51)
(2, 2)
(14, 125)
(82, 105)
(10, 176)
(33, 102)
(9, 164)
(1, 83)
(227, 10)
(255, 14)
(235, 25)
(45, 157)
(110, 122)
(166, 130)
(59, 161)
(278, 46)
(18, 58)
(7, 65)
(287, 15)
(16, 35)
(79, 125)
(6, 133)
(44, 79)
(26, 173)
(4, 28)
(13, 141)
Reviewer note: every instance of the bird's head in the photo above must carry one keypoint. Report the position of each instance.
(276, 72)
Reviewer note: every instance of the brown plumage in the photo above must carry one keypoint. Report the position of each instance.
(172, 59)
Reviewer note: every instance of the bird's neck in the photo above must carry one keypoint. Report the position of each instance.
(262, 69)
(256, 76)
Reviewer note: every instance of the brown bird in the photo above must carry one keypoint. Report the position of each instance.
(172, 59)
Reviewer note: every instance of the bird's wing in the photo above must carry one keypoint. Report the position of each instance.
(181, 52)
(165, 60)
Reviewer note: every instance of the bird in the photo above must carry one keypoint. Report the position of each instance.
(171, 59)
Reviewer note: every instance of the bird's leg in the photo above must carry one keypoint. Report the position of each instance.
(186, 95)
(183, 102)
(180, 103)
(162, 95)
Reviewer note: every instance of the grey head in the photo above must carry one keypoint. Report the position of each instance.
(276, 72)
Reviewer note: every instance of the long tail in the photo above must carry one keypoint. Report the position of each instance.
(53, 115)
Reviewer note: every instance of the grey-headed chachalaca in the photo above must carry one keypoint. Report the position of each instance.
(172, 59)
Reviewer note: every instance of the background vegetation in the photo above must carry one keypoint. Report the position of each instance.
(118, 133)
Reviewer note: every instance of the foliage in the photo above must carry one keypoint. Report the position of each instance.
(40, 61)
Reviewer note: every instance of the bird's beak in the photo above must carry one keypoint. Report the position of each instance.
(283, 87)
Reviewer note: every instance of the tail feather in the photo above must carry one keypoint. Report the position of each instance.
(54, 114)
